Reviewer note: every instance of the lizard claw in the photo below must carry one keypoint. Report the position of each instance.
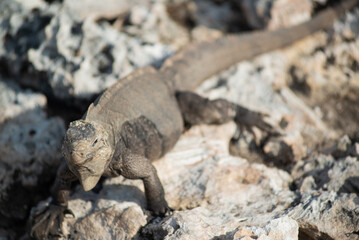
(160, 208)
(69, 212)
(49, 221)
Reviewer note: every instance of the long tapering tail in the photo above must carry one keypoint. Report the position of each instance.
(191, 66)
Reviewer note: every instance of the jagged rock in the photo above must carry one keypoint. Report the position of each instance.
(29, 148)
(111, 223)
(329, 174)
(327, 216)
(153, 24)
(265, 92)
(22, 27)
(69, 56)
(215, 195)
(283, 228)
(327, 77)
(81, 58)
(329, 197)
(198, 176)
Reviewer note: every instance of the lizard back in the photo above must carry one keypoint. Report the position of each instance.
(141, 96)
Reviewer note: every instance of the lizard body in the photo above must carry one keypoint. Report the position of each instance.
(142, 116)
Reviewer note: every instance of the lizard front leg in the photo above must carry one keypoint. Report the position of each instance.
(135, 166)
(49, 220)
(198, 110)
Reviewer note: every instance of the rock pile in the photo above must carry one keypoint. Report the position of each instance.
(301, 185)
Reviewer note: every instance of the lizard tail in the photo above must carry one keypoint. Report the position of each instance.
(191, 66)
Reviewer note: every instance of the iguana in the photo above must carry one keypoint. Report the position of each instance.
(140, 118)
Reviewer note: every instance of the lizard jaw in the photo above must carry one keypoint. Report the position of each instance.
(89, 182)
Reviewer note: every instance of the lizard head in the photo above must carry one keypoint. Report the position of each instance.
(87, 151)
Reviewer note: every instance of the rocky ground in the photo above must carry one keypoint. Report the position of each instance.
(57, 56)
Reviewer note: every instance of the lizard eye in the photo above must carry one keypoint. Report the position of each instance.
(94, 143)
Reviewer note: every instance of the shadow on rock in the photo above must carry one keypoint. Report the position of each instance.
(351, 185)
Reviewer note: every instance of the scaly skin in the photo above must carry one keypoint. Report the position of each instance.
(140, 118)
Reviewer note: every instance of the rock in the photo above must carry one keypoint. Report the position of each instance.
(348, 29)
(344, 147)
(198, 176)
(22, 27)
(327, 216)
(329, 197)
(276, 14)
(30, 146)
(153, 24)
(280, 228)
(73, 57)
(257, 13)
(214, 15)
(108, 9)
(329, 174)
(265, 92)
(197, 223)
(69, 56)
(82, 58)
(326, 79)
(286, 13)
(111, 223)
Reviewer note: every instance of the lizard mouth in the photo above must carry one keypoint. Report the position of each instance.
(89, 182)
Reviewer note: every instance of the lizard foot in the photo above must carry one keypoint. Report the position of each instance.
(48, 221)
(248, 119)
(160, 208)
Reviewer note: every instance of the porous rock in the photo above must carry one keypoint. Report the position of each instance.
(214, 195)
(327, 77)
(82, 58)
(70, 56)
(22, 27)
(218, 195)
(198, 176)
(283, 228)
(30, 145)
(328, 197)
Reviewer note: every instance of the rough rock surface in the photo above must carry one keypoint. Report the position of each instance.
(82, 58)
(274, 14)
(29, 148)
(296, 186)
(328, 187)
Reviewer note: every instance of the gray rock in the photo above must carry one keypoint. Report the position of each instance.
(327, 216)
(328, 174)
(327, 78)
(82, 58)
(21, 28)
(218, 195)
(279, 228)
(349, 28)
(275, 14)
(30, 145)
(329, 197)
(198, 176)
(214, 195)
(153, 24)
